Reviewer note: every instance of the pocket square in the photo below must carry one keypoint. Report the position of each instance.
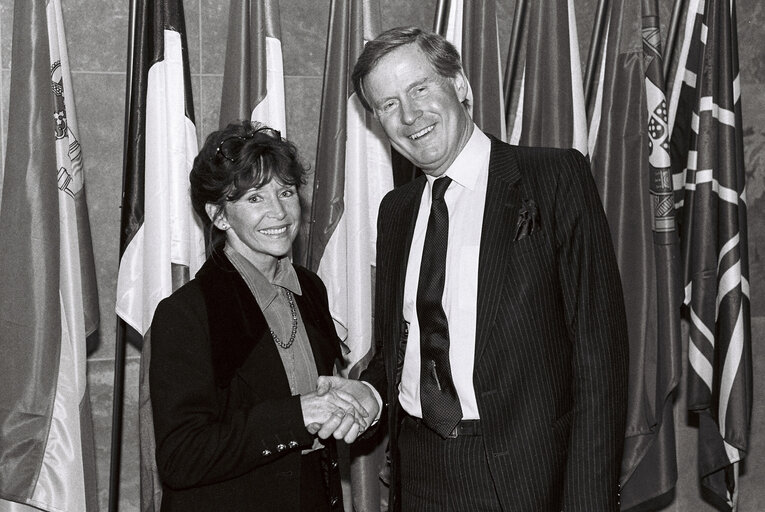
(528, 220)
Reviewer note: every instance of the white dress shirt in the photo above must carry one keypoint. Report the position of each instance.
(465, 199)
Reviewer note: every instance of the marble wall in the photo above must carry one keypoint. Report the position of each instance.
(97, 35)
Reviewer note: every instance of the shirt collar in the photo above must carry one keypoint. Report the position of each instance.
(464, 169)
(265, 291)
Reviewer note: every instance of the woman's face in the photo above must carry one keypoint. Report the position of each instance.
(263, 223)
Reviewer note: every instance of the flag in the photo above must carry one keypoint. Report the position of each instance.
(253, 77)
(708, 171)
(48, 302)
(353, 173)
(550, 108)
(472, 28)
(161, 242)
(631, 165)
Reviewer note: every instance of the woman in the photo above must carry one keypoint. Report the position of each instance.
(237, 351)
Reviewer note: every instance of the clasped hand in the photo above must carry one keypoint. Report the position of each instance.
(340, 408)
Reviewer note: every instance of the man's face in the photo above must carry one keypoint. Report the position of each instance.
(420, 111)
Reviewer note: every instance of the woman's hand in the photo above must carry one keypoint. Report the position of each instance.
(352, 391)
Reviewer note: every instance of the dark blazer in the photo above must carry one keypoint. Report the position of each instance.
(550, 370)
(228, 431)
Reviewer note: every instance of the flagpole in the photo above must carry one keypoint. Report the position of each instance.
(515, 49)
(119, 347)
(442, 11)
(669, 49)
(594, 53)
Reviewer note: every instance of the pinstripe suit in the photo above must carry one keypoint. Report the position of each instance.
(550, 370)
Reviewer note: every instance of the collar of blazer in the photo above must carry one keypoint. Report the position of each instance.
(237, 324)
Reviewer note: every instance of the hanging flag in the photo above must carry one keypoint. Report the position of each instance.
(48, 301)
(550, 108)
(472, 28)
(253, 77)
(708, 166)
(161, 242)
(353, 173)
(631, 165)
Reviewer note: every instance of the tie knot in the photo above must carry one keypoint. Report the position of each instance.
(440, 186)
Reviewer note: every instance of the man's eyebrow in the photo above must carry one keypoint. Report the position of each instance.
(418, 83)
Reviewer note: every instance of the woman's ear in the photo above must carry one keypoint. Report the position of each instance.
(217, 215)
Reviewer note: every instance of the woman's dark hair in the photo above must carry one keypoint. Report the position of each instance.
(442, 54)
(243, 155)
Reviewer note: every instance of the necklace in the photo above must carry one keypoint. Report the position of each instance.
(293, 312)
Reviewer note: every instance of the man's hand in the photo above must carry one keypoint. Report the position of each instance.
(352, 391)
(335, 408)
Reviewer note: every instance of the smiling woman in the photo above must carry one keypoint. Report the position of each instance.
(237, 352)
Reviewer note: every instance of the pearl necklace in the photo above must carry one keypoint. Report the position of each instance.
(293, 312)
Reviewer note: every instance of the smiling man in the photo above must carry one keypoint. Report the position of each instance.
(500, 329)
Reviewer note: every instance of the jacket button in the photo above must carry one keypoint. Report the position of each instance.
(334, 501)
(292, 444)
(334, 464)
(266, 453)
(281, 447)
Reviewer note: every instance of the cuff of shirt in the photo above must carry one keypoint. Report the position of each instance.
(379, 401)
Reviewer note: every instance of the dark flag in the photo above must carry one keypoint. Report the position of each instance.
(708, 170)
(631, 164)
(472, 28)
(253, 77)
(550, 110)
(161, 243)
(353, 173)
(48, 301)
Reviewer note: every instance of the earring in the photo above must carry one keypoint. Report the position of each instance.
(224, 227)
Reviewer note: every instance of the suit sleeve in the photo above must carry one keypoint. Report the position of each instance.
(595, 316)
(197, 444)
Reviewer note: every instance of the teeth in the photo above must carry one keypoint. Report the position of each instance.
(422, 132)
(274, 231)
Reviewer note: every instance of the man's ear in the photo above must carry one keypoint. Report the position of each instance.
(217, 215)
(461, 85)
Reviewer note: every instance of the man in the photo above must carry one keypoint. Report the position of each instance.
(500, 328)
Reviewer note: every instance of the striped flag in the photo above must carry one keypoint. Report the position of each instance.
(550, 109)
(353, 173)
(253, 77)
(472, 28)
(631, 164)
(161, 241)
(48, 300)
(708, 167)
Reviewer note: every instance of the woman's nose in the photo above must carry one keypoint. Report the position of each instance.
(276, 209)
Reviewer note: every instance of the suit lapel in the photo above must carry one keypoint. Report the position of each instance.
(503, 199)
(408, 218)
(237, 324)
(402, 213)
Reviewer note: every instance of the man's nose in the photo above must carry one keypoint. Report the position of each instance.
(410, 112)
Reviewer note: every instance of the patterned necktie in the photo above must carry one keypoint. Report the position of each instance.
(441, 410)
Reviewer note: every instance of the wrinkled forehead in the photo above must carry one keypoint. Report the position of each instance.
(397, 71)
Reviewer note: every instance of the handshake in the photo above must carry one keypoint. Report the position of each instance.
(341, 408)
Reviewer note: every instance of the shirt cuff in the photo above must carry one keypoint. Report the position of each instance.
(379, 401)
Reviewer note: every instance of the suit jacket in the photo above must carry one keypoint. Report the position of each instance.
(228, 432)
(550, 371)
